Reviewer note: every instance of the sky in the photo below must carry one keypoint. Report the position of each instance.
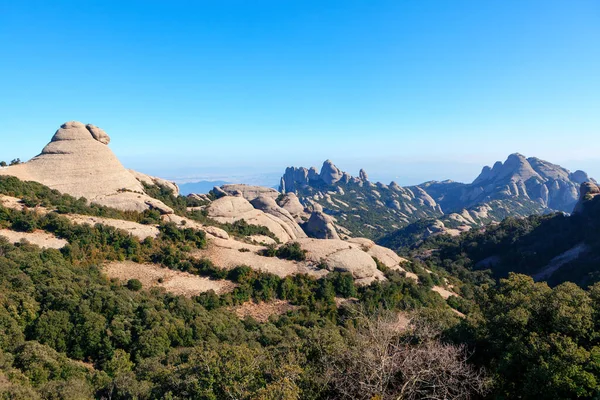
(410, 90)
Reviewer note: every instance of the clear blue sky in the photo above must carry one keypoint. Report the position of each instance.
(238, 88)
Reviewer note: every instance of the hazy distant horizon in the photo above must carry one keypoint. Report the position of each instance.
(405, 175)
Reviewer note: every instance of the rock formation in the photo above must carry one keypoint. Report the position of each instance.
(518, 187)
(152, 180)
(248, 192)
(362, 174)
(550, 185)
(330, 174)
(291, 203)
(77, 161)
(320, 226)
(268, 205)
(229, 209)
(295, 179)
(587, 192)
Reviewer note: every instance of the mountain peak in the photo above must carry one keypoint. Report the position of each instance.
(362, 174)
(75, 130)
(330, 174)
(77, 161)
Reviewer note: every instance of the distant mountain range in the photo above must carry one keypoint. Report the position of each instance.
(518, 187)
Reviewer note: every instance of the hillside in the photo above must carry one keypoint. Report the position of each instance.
(555, 248)
(237, 294)
(518, 187)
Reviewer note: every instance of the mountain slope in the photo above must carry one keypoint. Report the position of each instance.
(518, 187)
(554, 248)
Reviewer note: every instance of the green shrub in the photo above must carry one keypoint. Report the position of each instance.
(134, 285)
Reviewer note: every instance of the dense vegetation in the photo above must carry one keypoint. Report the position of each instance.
(414, 234)
(524, 245)
(68, 332)
(366, 210)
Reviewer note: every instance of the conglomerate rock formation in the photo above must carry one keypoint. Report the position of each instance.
(78, 161)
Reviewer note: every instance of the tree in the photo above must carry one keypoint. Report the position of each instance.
(3, 164)
(531, 333)
(386, 361)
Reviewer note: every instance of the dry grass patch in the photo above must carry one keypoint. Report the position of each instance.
(176, 282)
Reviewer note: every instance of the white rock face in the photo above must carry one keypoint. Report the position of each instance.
(229, 209)
(269, 206)
(386, 256)
(248, 192)
(344, 257)
(78, 162)
(320, 226)
(291, 203)
(530, 178)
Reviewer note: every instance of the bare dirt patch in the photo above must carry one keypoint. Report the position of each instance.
(176, 282)
(39, 238)
(445, 293)
(262, 311)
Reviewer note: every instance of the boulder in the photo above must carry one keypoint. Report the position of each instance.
(386, 256)
(98, 134)
(587, 191)
(320, 226)
(200, 197)
(291, 203)
(341, 256)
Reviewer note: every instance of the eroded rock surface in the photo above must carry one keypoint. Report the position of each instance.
(77, 161)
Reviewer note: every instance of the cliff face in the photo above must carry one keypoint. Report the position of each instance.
(78, 161)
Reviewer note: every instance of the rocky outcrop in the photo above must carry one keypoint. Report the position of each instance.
(587, 192)
(77, 161)
(342, 256)
(269, 206)
(320, 226)
(200, 197)
(229, 209)
(362, 174)
(98, 134)
(291, 203)
(248, 192)
(296, 179)
(330, 174)
(387, 257)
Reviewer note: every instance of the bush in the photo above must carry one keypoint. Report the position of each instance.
(134, 284)
(288, 251)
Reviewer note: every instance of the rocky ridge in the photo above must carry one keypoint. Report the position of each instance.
(518, 187)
